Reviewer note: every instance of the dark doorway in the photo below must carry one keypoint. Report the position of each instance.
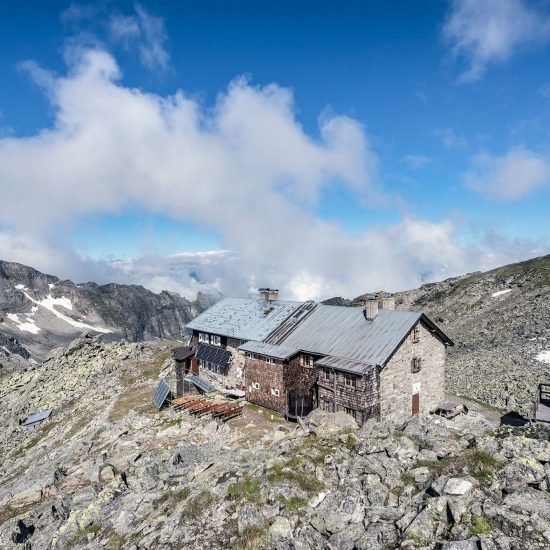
(416, 403)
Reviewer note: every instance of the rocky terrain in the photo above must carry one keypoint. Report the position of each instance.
(500, 323)
(109, 471)
(41, 312)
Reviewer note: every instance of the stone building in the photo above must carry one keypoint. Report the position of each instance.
(292, 357)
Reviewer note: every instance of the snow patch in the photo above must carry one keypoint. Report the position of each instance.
(50, 302)
(501, 292)
(20, 287)
(6, 350)
(543, 356)
(51, 285)
(28, 326)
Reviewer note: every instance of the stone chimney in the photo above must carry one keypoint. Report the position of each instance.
(388, 302)
(371, 307)
(269, 294)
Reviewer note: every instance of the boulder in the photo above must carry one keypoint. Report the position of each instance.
(458, 486)
(280, 528)
(326, 423)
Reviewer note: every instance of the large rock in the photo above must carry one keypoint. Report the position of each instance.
(249, 516)
(324, 422)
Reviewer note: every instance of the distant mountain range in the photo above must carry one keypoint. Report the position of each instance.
(40, 312)
(500, 323)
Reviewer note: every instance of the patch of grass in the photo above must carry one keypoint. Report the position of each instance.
(251, 538)
(279, 473)
(294, 505)
(350, 442)
(246, 489)
(173, 422)
(197, 504)
(116, 541)
(272, 416)
(173, 497)
(476, 462)
(481, 525)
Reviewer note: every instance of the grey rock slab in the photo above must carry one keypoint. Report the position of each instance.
(458, 486)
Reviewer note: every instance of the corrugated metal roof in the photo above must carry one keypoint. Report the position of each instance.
(279, 352)
(37, 417)
(347, 365)
(244, 318)
(344, 332)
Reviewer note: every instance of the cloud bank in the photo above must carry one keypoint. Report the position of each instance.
(244, 166)
(484, 32)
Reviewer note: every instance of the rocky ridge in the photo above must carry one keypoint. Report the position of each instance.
(109, 471)
(500, 323)
(42, 312)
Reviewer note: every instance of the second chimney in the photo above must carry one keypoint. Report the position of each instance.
(269, 294)
(371, 307)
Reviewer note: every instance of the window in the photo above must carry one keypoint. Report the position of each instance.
(307, 361)
(416, 364)
(255, 385)
(204, 338)
(275, 392)
(269, 360)
(350, 381)
(415, 334)
(351, 412)
(327, 374)
(215, 340)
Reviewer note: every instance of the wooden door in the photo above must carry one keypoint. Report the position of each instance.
(416, 403)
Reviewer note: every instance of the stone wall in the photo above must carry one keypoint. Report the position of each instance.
(398, 383)
(268, 376)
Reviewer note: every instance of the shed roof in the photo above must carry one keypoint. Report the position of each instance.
(271, 350)
(244, 318)
(347, 365)
(344, 332)
(183, 353)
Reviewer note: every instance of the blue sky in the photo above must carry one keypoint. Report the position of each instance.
(445, 159)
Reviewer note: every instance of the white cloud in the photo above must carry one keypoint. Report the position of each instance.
(416, 161)
(485, 32)
(450, 138)
(511, 176)
(146, 32)
(244, 167)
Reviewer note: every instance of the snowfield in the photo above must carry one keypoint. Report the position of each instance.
(28, 326)
(50, 302)
(501, 292)
(543, 356)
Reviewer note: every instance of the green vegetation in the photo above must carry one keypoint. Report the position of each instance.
(246, 489)
(476, 462)
(481, 525)
(280, 473)
(268, 414)
(171, 498)
(251, 538)
(293, 505)
(197, 504)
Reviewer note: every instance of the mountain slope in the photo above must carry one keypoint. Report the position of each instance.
(500, 323)
(42, 312)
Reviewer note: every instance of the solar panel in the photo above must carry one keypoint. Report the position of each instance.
(214, 354)
(161, 393)
(37, 417)
(201, 384)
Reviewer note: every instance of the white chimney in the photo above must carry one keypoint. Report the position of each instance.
(371, 307)
(388, 302)
(269, 294)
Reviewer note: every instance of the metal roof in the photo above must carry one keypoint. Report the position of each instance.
(37, 417)
(271, 350)
(244, 318)
(347, 365)
(344, 332)
(183, 353)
